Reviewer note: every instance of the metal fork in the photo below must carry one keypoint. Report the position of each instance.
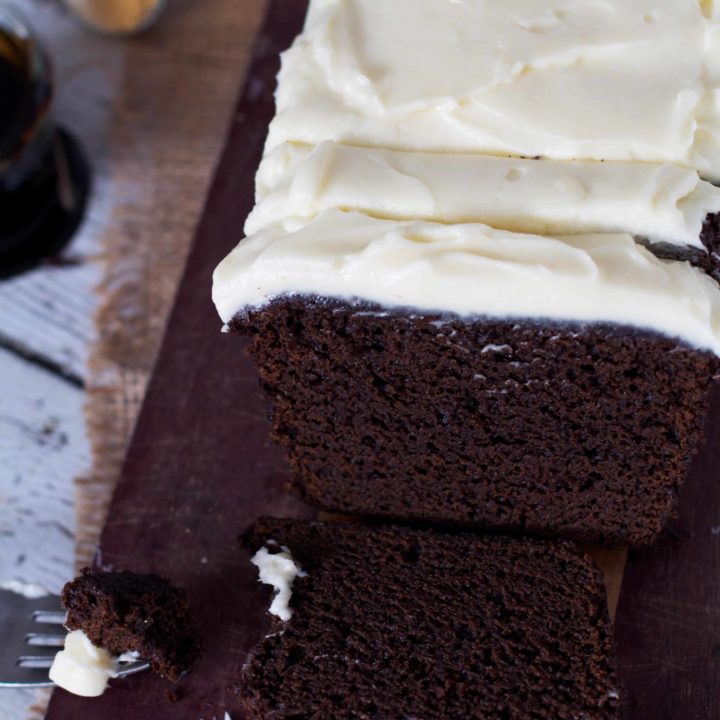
(31, 633)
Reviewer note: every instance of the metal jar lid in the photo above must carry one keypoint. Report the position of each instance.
(117, 17)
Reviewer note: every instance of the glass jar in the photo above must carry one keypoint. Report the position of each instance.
(43, 176)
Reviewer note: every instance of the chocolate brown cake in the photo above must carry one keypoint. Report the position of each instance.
(127, 612)
(399, 623)
(580, 431)
(482, 282)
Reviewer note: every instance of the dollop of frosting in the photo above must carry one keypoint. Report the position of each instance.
(470, 270)
(662, 202)
(85, 669)
(564, 79)
(81, 668)
(280, 571)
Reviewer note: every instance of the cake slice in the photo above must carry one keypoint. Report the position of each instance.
(457, 374)
(125, 612)
(401, 623)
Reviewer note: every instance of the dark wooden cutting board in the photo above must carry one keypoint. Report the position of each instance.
(201, 467)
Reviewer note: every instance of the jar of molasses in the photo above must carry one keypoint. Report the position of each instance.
(43, 176)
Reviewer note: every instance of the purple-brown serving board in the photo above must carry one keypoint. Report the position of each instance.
(200, 468)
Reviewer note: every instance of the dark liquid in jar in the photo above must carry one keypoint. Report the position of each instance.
(28, 179)
(22, 99)
(44, 176)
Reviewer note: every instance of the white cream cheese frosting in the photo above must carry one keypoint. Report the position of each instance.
(662, 202)
(81, 667)
(85, 669)
(471, 270)
(280, 571)
(564, 79)
(402, 165)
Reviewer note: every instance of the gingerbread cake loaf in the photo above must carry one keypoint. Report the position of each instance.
(398, 623)
(481, 277)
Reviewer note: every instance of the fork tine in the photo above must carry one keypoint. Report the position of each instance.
(45, 639)
(127, 669)
(36, 661)
(55, 617)
(39, 651)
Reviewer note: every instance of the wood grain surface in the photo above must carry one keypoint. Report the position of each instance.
(668, 619)
(175, 97)
(151, 112)
(201, 468)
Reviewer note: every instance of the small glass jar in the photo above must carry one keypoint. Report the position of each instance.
(117, 17)
(43, 176)
(25, 95)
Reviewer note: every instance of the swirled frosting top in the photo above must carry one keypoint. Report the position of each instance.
(565, 79)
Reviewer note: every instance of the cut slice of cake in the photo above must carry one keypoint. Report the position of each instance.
(126, 612)
(460, 375)
(401, 623)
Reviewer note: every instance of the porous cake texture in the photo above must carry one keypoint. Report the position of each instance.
(128, 612)
(581, 431)
(399, 623)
